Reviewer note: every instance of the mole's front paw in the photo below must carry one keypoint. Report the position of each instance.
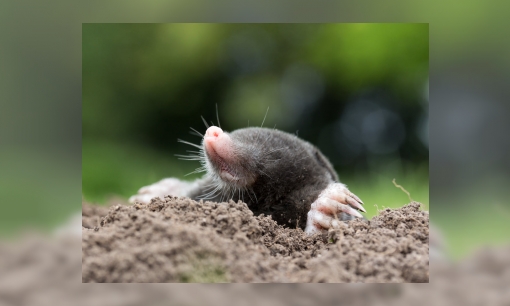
(332, 203)
(169, 186)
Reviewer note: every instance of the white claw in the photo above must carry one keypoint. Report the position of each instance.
(335, 199)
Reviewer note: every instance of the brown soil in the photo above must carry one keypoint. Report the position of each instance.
(42, 270)
(180, 240)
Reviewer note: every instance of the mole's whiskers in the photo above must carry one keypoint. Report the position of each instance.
(196, 133)
(189, 143)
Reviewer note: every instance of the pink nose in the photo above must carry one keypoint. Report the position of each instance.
(218, 144)
(213, 131)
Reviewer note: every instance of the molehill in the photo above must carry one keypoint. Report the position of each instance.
(181, 240)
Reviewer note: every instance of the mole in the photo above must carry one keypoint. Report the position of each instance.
(275, 173)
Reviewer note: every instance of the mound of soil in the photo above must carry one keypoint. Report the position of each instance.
(181, 240)
(45, 270)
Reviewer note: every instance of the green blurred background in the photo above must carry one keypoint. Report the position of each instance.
(357, 91)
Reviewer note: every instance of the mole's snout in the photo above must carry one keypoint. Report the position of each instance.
(217, 142)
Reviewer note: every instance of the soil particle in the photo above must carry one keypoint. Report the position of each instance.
(181, 240)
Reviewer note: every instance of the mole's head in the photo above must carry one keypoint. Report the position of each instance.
(261, 156)
(227, 159)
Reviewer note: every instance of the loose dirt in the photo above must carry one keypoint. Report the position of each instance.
(181, 240)
(41, 269)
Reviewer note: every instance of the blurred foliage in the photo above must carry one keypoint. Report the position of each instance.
(31, 201)
(357, 91)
